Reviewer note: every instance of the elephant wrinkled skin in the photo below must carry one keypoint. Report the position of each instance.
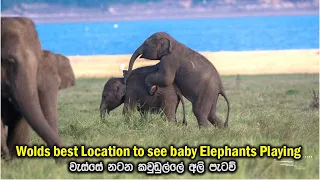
(29, 85)
(135, 96)
(195, 75)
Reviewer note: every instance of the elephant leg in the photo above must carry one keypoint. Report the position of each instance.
(18, 128)
(216, 121)
(143, 113)
(201, 114)
(4, 148)
(202, 106)
(128, 109)
(170, 112)
(163, 77)
(49, 100)
(18, 134)
(213, 118)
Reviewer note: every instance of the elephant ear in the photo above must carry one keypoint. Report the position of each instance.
(164, 47)
(121, 91)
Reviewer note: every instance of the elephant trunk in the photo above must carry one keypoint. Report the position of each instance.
(134, 56)
(103, 108)
(24, 88)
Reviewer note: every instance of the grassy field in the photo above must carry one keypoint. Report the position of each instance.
(265, 109)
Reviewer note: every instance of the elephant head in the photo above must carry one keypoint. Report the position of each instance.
(65, 71)
(153, 48)
(21, 53)
(112, 95)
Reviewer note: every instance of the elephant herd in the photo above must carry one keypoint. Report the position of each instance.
(32, 77)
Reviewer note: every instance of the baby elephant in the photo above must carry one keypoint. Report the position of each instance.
(135, 96)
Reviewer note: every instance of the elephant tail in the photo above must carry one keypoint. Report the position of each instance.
(184, 121)
(225, 97)
(183, 109)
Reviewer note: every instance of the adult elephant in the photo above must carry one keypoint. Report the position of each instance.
(65, 71)
(63, 67)
(22, 94)
(196, 77)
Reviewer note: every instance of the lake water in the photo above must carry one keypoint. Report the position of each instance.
(221, 34)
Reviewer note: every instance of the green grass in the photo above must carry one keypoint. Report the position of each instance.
(265, 109)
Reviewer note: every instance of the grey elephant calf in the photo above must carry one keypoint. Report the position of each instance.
(135, 96)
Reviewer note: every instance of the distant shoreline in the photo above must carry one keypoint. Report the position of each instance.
(227, 62)
(165, 16)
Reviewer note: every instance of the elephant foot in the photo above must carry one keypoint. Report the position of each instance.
(5, 156)
(153, 90)
(185, 123)
(203, 126)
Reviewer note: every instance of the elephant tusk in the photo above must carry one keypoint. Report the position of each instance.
(192, 65)
(140, 56)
